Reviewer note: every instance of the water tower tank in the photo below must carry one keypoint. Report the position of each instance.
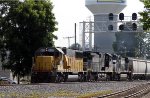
(101, 9)
(105, 6)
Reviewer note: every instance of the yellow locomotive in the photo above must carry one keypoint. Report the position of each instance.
(53, 64)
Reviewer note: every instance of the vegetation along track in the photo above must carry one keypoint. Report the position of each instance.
(134, 92)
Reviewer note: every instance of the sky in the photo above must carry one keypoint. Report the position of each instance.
(69, 12)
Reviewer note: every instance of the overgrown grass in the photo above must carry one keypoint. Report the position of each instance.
(58, 94)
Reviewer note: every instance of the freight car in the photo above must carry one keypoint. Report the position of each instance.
(139, 68)
(53, 64)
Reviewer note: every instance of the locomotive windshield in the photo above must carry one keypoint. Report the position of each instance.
(48, 52)
(114, 57)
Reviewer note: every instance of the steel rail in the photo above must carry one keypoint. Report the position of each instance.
(140, 93)
(139, 90)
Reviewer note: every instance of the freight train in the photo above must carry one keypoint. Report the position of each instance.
(53, 64)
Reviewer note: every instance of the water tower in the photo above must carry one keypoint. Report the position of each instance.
(105, 22)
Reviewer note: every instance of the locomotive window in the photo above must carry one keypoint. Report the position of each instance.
(98, 54)
(107, 59)
(86, 54)
(114, 57)
(42, 50)
(47, 53)
(79, 54)
(64, 50)
(50, 50)
(85, 59)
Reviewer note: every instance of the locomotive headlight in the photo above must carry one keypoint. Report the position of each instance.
(46, 49)
(114, 61)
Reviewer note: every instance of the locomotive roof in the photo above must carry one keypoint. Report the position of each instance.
(140, 59)
(48, 49)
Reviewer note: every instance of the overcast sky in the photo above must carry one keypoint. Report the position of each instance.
(68, 12)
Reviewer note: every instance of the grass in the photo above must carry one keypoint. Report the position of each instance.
(94, 94)
(61, 93)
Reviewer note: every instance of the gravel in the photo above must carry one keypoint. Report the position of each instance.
(52, 90)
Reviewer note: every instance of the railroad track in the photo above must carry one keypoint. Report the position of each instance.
(134, 92)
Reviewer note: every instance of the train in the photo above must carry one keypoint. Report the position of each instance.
(55, 64)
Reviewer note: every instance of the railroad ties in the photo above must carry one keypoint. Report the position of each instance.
(134, 92)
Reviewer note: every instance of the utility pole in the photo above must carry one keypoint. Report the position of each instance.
(68, 40)
(75, 41)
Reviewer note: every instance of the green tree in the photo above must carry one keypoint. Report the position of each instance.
(145, 20)
(24, 27)
(145, 15)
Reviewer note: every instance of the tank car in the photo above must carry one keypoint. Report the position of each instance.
(139, 69)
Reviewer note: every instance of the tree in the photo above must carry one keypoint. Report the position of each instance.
(145, 20)
(145, 14)
(24, 27)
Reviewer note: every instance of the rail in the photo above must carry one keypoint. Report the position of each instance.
(134, 92)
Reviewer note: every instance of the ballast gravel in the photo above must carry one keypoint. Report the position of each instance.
(51, 89)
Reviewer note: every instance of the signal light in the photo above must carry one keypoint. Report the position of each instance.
(111, 16)
(121, 27)
(134, 16)
(134, 26)
(121, 16)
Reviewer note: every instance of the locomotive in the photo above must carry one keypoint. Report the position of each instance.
(55, 64)
(52, 64)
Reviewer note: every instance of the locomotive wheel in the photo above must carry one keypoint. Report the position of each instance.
(57, 78)
(89, 76)
(80, 77)
(84, 77)
(65, 77)
(129, 76)
(108, 77)
(95, 77)
(118, 77)
(34, 78)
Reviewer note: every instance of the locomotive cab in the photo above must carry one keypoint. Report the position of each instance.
(45, 62)
(47, 59)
